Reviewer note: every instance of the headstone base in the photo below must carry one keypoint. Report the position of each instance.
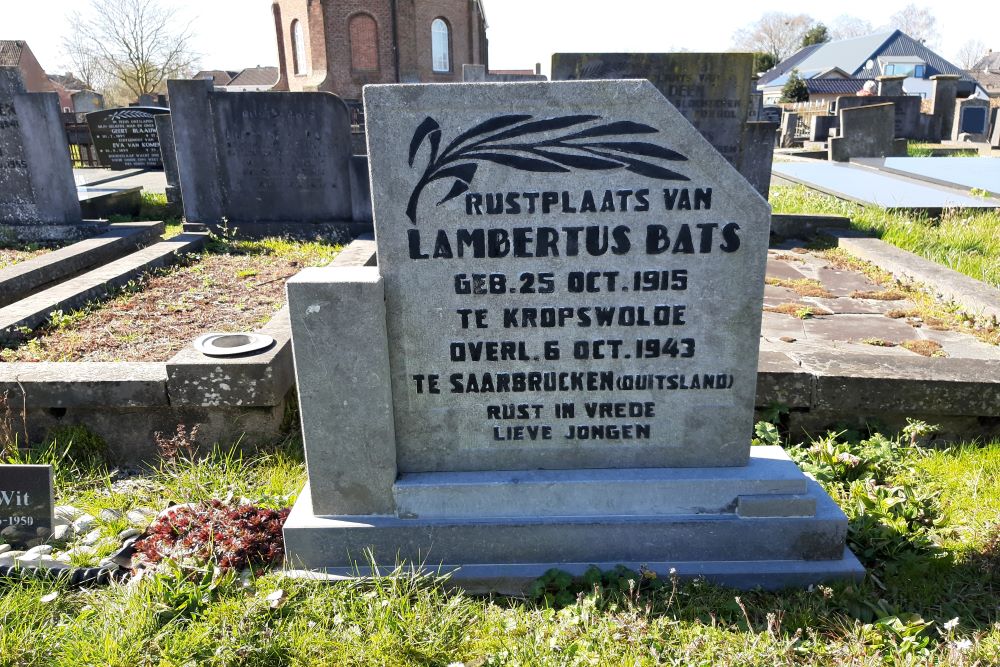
(746, 542)
(45, 233)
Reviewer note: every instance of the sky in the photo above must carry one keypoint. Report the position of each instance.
(233, 34)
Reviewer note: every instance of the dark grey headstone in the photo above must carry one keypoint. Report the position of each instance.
(711, 90)
(970, 122)
(168, 154)
(995, 132)
(36, 178)
(973, 120)
(126, 138)
(261, 157)
(25, 504)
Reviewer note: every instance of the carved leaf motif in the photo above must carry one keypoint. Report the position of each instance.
(428, 127)
(543, 154)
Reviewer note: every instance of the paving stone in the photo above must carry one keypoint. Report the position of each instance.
(857, 327)
(777, 268)
(843, 282)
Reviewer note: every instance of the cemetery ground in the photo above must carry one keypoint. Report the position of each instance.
(923, 521)
(233, 284)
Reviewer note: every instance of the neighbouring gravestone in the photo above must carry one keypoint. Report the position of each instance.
(944, 91)
(972, 118)
(26, 508)
(554, 362)
(126, 138)
(265, 162)
(866, 131)
(714, 91)
(168, 153)
(906, 112)
(38, 199)
(995, 124)
(87, 101)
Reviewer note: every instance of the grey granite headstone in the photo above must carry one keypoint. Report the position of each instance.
(25, 504)
(866, 131)
(261, 157)
(890, 86)
(971, 119)
(906, 112)
(37, 193)
(554, 362)
(126, 138)
(86, 101)
(550, 223)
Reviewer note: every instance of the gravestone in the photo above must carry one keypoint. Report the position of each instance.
(971, 121)
(38, 200)
(995, 124)
(890, 86)
(944, 91)
(866, 131)
(87, 101)
(713, 91)
(906, 112)
(26, 508)
(555, 361)
(126, 138)
(168, 154)
(266, 162)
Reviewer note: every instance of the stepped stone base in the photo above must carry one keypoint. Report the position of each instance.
(745, 537)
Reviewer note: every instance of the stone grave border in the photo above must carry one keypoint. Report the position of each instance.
(227, 398)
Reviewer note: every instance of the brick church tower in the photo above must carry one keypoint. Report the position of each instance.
(340, 45)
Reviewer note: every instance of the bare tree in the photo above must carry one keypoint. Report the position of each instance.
(83, 61)
(970, 52)
(917, 22)
(849, 27)
(775, 33)
(136, 44)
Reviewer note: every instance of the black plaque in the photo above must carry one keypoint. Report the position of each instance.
(25, 504)
(974, 120)
(126, 138)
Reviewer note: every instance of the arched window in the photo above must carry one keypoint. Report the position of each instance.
(298, 48)
(364, 43)
(440, 52)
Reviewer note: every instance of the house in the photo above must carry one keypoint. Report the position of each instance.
(986, 71)
(847, 61)
(15, 53)
(219, 77)
(252, 78)
(340, 45)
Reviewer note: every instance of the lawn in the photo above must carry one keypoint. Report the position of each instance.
(966, 241)
(926, 524)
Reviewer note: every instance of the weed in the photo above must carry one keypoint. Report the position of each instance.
(802, 286)
(880, 295)
(180, 445)
(798, 310)
(923, 347)
(878, 342)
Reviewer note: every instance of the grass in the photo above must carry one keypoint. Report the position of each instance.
(922, 521)
(963, 240)
(928, 150)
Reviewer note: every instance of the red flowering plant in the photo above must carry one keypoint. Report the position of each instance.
(229, 536)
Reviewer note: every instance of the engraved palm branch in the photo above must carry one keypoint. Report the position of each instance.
(515, 141)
